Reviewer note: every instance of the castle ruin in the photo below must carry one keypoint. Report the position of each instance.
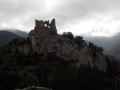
(41, 25)
(45, 40)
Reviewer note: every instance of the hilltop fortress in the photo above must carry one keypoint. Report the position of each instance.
(45, 40)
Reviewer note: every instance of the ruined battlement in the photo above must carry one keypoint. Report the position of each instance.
(43, 25)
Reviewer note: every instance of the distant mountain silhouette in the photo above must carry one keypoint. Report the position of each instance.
(106, 42)
(115, 51)
(111, 45)
(6, 37)
(20, 33)
(17, 32)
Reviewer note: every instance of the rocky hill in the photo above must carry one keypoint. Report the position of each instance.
(45, 40)
(59, 62)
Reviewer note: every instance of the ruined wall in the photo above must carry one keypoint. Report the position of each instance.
(46, 25)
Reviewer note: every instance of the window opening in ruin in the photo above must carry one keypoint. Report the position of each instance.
(45, 25)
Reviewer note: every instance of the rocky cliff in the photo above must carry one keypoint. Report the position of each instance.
(45, 40)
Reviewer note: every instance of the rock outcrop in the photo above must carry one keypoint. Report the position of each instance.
(34, 88)
(44, 39)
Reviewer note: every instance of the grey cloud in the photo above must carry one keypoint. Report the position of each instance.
(11, 9)
(20, 6)
(65, 11)
(71, 10)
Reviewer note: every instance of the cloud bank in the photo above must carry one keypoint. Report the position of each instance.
(88, 17)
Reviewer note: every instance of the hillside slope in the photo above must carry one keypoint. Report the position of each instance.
(6, 36)
(115, 51)
(107, 43)
(20, 33)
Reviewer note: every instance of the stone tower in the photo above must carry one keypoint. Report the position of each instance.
(46, 25)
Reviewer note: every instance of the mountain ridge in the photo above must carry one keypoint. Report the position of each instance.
(6, 37)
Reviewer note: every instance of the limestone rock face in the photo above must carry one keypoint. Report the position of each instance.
(44, 39)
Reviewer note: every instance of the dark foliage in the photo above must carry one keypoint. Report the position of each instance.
(78, 40)
(18, 71)
(68, 35)
(95, 48)
(100, 49)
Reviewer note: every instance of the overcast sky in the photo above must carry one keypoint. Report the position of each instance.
(81, 17)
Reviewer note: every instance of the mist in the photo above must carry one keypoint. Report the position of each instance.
(109, 44)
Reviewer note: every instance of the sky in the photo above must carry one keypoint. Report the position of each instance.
(81, 17)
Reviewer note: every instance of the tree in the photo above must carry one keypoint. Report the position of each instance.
(78, 40)
(100, 49)
(68, 35)
(91, 45)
